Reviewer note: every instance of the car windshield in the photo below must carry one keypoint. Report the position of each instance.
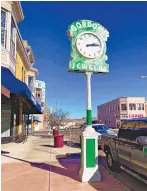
(100, 127)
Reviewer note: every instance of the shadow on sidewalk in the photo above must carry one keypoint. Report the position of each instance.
(46, 136)
(71, 171)
(47, 146)
(74, 145)
(71, 167)
(4, 152)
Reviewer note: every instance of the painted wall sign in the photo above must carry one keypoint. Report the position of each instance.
(88, 47)
(132, 116)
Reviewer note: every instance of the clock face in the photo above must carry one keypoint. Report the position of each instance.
(89, 45)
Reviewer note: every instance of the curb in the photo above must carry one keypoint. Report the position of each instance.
(111, 174)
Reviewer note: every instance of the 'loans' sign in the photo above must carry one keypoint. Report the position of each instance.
(132, 116)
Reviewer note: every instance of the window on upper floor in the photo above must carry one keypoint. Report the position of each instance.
(31, 83)
(118, 108)
(132, 106)
(140, 106)
(39, 85)
(3, 28)
(12, 38)
(38, 95)
(110, 109)
(4, 32)
(22, 73)
(123, 106)
(114, 108)
(24, 76)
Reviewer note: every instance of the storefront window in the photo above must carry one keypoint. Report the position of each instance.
(5, 120)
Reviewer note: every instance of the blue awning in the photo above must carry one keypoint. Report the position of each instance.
(19, 88)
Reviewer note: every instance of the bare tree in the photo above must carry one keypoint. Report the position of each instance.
(57, 118)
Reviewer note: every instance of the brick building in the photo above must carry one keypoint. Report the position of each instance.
(113, 111)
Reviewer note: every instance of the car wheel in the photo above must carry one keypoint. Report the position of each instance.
(112, 164)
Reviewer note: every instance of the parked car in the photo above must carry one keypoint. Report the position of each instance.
(128, 151)
(100, 129)
(103, 129)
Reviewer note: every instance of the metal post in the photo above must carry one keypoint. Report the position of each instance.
(28, 125)
(56, 105)
(32, 125)
(89, 109)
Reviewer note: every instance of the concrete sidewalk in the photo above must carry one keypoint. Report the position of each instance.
(39, 166)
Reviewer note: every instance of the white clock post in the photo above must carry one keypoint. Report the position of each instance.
(89, 151)
(88, 55)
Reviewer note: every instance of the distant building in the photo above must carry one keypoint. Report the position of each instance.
(40, 92)
(113, 111)
(41, 98)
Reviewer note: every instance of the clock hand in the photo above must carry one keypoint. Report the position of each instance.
(93, 44)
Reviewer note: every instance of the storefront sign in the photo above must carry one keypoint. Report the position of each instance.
(5, 91)
(88, 47)
(132, 116)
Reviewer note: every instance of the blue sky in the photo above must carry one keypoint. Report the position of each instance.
(45, 25)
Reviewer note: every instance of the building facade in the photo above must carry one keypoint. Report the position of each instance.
(113, 111)
(17, 59)
(32, 73)
(31, 80)
(11, 14)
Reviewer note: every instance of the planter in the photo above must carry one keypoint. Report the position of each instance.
(58, 141)
(55, 132)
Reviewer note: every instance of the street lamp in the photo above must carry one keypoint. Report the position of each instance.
(143, 77)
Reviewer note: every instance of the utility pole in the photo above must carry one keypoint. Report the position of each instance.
(57, 105)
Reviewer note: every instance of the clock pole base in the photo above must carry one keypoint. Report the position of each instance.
(90, 175)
